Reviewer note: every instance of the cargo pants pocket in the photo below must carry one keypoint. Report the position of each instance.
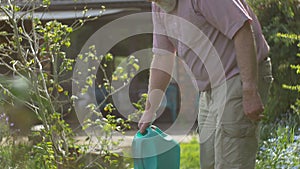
(238, 145)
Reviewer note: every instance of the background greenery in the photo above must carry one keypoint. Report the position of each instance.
(190, 154)
(280, 134)
(280, 23)
(280, 143)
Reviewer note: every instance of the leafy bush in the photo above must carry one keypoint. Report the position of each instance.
(32, 55)
(36, 55)
(280, 17)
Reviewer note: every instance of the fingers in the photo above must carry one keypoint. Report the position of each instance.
(143, 127)
(256, 115)
(143, 124)
(145, 121)
(253, 106)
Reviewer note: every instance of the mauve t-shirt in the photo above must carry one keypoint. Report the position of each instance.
(201, 33)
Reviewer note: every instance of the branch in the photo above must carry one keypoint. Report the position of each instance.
(110, 94)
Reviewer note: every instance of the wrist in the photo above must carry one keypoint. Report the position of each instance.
(249, 87)
(148, 117)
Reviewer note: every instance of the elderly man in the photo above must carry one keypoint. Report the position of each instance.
(228, 119)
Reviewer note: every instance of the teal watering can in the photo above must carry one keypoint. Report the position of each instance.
(155, 150)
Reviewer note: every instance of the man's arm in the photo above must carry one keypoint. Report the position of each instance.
(160, 76)
(246, 58)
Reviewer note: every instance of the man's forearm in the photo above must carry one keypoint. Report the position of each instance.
(246, 57)
(160, 76)
(247, 62)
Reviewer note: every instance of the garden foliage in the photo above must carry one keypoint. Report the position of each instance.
(34, 68)
(280, 145)
(280, 18)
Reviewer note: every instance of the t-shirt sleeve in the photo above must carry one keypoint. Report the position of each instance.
(161, 43)
(228, 16)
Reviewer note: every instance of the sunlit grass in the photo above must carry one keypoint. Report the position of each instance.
(190, 156)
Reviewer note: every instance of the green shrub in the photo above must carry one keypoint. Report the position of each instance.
(280, 16)
(36, 55)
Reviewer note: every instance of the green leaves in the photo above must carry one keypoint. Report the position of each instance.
(109, 57)
(3, 33)
(46, 3)
(38, 56)
(109, 108)
(281, 150)
(280, 24)
(55, 34)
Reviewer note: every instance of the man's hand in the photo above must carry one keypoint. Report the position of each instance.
(252, 104)
(145, 121)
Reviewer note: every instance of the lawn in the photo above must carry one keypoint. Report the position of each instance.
(190, 155)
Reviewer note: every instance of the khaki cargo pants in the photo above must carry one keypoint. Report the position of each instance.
(228, 139)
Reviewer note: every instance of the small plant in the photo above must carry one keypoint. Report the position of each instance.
(5, 127)
(98, 119)
(12, 154)
(280, 151)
